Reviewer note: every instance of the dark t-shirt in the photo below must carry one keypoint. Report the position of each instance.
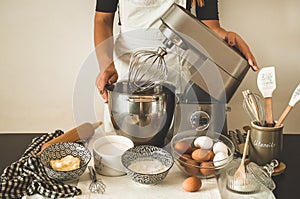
(208, 12)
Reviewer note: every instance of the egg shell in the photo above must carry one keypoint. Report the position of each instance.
(201, 155)
(203, 142)
(211, 155)
(220, 159)
(220, 147)
(183, 158)
(191, 167)
(191, 184)
(183, 147)
(207, 168)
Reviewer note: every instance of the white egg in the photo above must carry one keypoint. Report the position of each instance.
(220, 159)
(204, 142)
(220, 147)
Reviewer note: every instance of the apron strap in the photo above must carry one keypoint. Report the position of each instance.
(119, 18)
(188, 7)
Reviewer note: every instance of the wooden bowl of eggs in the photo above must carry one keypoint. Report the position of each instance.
(202, 153)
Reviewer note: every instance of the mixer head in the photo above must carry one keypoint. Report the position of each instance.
(213, 65)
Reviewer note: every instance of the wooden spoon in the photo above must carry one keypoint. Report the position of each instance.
(241, 171)
(294, 99)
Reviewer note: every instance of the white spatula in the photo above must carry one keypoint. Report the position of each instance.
(266, 84)
(294, 99)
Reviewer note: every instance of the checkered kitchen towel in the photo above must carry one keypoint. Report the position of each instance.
(27, 176)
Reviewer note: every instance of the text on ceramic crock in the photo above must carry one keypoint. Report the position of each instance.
(265, 145)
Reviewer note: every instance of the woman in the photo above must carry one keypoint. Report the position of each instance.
(134, 14)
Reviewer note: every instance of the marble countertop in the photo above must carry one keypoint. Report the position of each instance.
(123, 187)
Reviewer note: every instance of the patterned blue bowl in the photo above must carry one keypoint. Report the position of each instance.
(61, 150)
(147, 164)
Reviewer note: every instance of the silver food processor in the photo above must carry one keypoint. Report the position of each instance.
(211, 73)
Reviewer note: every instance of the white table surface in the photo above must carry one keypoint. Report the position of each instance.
(124, 188)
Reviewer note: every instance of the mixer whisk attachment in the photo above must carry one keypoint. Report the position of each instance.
(253, 106)
(147, 69)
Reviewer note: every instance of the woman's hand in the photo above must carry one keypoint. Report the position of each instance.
(234, 39)
(108, 76)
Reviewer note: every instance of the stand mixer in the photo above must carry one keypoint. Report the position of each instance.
(211, 73)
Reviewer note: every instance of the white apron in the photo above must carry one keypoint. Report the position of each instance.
(140, 21)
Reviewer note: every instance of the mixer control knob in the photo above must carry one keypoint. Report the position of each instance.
(200, 120)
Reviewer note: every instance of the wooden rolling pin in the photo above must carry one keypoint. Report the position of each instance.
(81, 132)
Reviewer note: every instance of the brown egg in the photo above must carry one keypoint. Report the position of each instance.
(211, 155)
(208, 170)
(191, 167)
(193, 149)
(183, 147)
(192, 184)
(202, 155)
(183, 158)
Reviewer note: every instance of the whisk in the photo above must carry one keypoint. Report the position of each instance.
(147, 69)
(253, 106)
(96, 186)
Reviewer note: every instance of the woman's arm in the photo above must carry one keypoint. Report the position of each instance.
(103, 41)
(233, 39)
(103, 33)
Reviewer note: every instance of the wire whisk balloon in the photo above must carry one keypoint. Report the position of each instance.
(96, 186)
(147, 69)
(253, 106)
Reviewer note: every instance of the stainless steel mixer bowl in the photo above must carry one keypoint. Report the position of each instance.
(144, 117)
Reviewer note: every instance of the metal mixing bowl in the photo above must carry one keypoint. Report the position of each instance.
(144, 117)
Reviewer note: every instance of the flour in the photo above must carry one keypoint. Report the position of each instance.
(148, 167)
